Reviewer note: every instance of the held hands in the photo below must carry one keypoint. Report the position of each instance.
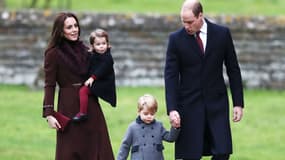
(53, 123)
(237, 113)
(89, 82)
(174, 118)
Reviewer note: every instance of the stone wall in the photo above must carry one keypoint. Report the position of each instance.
(139, 44)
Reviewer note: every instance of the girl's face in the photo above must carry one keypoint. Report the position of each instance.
(70, 29)
(100, 45)
(146, 116)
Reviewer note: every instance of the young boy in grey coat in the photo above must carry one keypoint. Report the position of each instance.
(145, 135)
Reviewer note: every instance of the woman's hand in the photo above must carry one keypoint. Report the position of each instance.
(53, 123)
(89, 82)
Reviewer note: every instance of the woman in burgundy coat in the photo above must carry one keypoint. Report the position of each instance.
(65, 64)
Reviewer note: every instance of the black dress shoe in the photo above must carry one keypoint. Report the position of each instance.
(80, 117)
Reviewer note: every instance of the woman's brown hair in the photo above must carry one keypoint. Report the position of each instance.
(57, 30)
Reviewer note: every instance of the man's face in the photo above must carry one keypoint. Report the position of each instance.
(191, 23)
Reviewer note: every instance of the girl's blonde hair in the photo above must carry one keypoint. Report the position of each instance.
(147, 101)
(98, 33)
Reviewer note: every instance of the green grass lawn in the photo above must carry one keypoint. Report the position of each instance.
(241, 7)
(25, 135)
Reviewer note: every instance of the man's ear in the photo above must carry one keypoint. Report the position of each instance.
(200, 14)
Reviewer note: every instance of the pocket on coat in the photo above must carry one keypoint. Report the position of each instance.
(159, 147)
(135, 149)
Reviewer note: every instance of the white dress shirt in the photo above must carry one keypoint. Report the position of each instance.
(203, 34)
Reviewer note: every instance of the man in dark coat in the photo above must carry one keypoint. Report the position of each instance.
(195, 87)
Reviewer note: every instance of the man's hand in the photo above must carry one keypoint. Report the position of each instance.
(174, 118)
(237, 113)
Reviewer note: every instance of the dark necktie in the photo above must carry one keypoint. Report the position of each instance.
(199, 41)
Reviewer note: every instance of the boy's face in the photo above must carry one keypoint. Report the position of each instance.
(146, 116)
(100, 45)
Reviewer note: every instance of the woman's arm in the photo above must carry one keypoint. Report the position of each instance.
(50, 69)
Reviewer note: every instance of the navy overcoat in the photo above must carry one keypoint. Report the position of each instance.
(195, 87)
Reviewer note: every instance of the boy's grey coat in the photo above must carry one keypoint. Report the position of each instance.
(145, 140)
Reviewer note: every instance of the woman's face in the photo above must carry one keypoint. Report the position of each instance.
(70, 29)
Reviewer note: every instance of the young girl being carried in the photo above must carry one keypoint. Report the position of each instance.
(101, 81)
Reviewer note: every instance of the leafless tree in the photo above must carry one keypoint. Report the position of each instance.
(2, 4)
(34, 4)
(61, 4)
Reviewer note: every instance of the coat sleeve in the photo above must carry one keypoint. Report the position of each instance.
(171, 75)
(126, 145)
(233, 72)
(170, 136)
(50, 71)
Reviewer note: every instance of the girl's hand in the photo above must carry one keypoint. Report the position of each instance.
(89, 82)
(53, 123)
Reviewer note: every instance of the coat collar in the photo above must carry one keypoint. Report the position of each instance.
(192, 40)
(204, 28)
(140, 121)
(209, 37)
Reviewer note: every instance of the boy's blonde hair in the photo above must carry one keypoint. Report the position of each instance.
(98, 33)
(147, 101)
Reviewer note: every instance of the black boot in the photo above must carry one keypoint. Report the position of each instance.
(80, 117)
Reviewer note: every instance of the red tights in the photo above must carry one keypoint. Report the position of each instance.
(83, 96)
